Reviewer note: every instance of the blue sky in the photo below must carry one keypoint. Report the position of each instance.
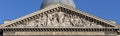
(106, 9)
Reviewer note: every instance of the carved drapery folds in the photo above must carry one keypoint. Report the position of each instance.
(60, 19)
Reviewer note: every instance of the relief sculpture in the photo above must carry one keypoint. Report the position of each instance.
(43, 20)
(66, 21)
(53, 19)
(61, 19)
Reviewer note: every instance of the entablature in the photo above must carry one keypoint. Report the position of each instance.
(60, 8)
(58, 29)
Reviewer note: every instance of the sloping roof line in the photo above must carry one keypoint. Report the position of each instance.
(54, 6)
(29, 15)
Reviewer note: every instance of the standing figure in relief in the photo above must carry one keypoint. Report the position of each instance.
(66, 20)
(53, 19)
(72, 21)
(43, 20)
(61, 16)
(50, 20)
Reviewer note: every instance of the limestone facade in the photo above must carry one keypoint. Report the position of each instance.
(59, 20)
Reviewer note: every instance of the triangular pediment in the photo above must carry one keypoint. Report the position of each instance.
(59, 19)
(59, 16)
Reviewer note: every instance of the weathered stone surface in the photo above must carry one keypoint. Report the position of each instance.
(54, 33)
(53, 16)
(57, 33)
(60, 19)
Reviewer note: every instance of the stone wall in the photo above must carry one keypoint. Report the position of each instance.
(27, 33)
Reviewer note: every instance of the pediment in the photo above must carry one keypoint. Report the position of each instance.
(59, 19)
(59, 16)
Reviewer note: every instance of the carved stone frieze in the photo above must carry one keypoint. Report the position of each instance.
(60, 19)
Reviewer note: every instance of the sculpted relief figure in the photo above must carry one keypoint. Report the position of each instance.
(61, 19)
(85, 23)
(89, 24)
(76, 21)
(66, 20)
(53, 19)
(30, 24)
(38, 22)
(80, 22)
(43, 20)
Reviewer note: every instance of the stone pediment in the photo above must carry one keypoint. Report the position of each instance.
(59, 16)
(59, 19)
